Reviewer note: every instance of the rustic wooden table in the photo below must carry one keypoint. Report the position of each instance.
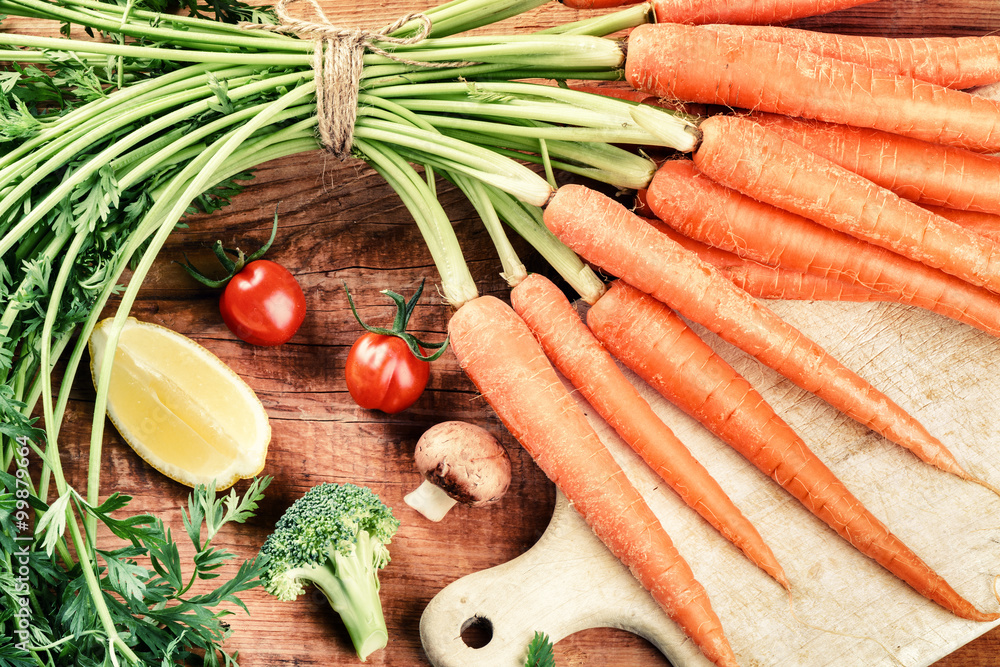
(341, 224)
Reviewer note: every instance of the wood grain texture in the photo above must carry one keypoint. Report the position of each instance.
(340, 223)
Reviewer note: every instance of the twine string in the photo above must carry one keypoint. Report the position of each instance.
(338, 63)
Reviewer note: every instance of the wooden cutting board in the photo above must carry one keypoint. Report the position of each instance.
(846, 610)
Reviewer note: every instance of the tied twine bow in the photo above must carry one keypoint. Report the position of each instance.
(337, 63)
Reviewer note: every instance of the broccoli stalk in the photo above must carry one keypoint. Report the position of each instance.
(351, 585)
(335, 537)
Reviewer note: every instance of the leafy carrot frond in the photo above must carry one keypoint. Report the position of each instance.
(540, 652)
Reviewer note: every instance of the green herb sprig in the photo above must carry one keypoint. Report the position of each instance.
(143, 584)
(540, 652)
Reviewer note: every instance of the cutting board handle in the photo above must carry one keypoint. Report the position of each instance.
(568, 581)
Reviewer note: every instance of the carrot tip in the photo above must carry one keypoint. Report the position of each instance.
(982, 483)
(983, 617)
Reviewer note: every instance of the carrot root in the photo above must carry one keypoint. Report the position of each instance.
(698, 207)
(984, 224)
(502, 358)
(707, 67)
(648, 337)
(745, 11)
(920, 171)
(604, 232)
(574, 351)
(766, 281)
(952, 62)
(764, 165)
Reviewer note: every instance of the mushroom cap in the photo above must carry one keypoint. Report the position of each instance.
(465, 461)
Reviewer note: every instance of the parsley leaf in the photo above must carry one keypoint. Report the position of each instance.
(149, 606)
(540, 652)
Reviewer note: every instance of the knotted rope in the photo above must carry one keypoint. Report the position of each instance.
(338, 62)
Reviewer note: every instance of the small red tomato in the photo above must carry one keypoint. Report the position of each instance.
(382, 373)
(263, 304)
(387, 368)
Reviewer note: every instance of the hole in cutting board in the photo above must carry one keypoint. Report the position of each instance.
(477, 632)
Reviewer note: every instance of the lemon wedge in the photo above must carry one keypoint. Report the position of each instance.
(181, 409)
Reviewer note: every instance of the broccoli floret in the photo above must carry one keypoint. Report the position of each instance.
(335, 538)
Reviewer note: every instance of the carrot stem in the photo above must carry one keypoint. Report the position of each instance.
(526, 220)
(513, 270)
(456, 281)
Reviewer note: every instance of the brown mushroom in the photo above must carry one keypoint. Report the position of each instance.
(460, 463)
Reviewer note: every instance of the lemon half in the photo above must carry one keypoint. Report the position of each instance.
(181, 409)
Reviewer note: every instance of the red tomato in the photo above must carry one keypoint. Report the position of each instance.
(382, 373)
(263, 304)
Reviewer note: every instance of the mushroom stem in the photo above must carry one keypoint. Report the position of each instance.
(430, 501)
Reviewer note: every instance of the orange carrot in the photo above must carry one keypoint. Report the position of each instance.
(751, 159)
(604, 232)
(745, 11)
(984, 224)
(698, 65)
(700, 208)
(657, 345)
(771, 282)
(502, 358)
(574, 351)
(916, 170)
(953, 62)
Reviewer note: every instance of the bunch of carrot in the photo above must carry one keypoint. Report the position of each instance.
(852, 169)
